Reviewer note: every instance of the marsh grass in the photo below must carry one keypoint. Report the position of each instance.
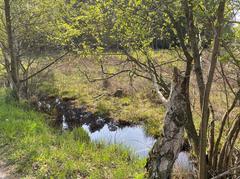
(138, 104)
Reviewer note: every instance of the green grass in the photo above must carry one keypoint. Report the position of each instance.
(36, 150)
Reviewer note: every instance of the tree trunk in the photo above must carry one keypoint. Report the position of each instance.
(167, 147)
(205, 112)
(13, 60)
(190, 127)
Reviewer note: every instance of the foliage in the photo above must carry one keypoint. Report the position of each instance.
(33, 23)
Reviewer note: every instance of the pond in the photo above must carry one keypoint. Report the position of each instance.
(133, 137)
(108, 130)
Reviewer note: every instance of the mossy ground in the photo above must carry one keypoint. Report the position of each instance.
(38, 151)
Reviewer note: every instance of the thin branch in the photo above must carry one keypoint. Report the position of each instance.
(101, 79)
(225, 117)
(228, 172)
(228, 145)
(162, 98)
(233, 22)
(225, 79)
(231, 54)
(44, 68)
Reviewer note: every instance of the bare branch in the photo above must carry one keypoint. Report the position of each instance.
(225, 117)
(227, 148)
(44, 68)
(234, 22)
(111, 75)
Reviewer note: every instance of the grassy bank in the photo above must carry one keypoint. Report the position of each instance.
(36, 150)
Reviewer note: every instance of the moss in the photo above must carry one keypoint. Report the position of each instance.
(103, 108)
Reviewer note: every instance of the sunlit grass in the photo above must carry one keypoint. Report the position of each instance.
(39, 151)
(134, 106)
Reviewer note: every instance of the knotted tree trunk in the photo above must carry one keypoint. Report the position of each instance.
(167, 147)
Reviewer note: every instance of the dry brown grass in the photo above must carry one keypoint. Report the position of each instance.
(140, 103)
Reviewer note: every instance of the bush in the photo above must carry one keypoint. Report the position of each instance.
(10, 96)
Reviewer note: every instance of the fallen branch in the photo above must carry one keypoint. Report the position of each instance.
(101, 79)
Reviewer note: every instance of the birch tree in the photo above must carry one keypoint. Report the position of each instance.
(27, 28)
(199, 27)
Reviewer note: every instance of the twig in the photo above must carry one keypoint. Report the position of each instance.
(101, 79)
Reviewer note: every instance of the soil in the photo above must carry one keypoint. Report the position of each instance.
(5, 171)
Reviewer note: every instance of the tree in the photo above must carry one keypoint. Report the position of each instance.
(27, 29)
(199, 27)
(14, 63)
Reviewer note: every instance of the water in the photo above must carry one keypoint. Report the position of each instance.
(64, 123)
(136, 140)
(110, 132)
(132, 137)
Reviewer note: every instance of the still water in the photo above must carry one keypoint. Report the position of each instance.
(135, 138)
(132, 137)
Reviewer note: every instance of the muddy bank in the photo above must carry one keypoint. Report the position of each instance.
(68, 114)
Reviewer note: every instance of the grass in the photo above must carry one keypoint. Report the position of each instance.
(39, 151)
(137, 104)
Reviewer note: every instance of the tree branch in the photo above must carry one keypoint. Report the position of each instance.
(205, 111)
(44, 68)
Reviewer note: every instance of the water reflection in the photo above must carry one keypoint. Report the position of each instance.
(133, 137)
(137, 141)
(106, 129)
